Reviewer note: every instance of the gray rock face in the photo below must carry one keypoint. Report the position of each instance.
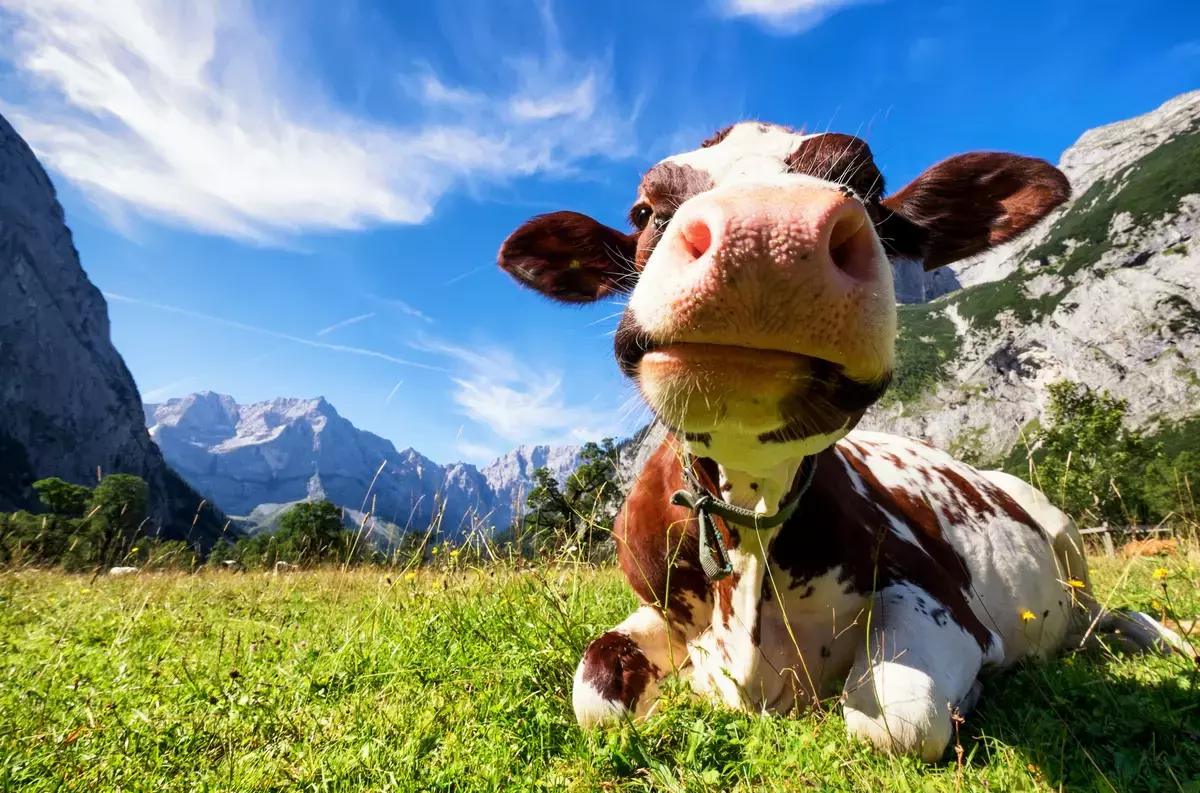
(511, 477)
(287, 450)
(68, 404)
(1106, 292)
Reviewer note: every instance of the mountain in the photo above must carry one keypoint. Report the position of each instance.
(1105, 291)
(68, 405)
(510, 477)
(287, 450)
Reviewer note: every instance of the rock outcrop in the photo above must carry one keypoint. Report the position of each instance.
(68, 405)
(511, 476)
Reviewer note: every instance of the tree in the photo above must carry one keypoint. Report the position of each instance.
(311, 532)
(586, 502)
(118, 506)
(1089, 462)
(63, 498)
(1172, 485)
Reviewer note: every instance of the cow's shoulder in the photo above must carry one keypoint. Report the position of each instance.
(657, 541)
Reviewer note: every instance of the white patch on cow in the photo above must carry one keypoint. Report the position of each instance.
(748, 153)
(592, 707)
(744, 460)
(909, 676)
(1014, 570)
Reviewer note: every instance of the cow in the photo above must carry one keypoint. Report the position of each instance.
(780, 555)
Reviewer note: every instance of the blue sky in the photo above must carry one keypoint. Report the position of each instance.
(306, 198)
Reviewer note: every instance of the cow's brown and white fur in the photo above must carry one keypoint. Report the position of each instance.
(760, 327)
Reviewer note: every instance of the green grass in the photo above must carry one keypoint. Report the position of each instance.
(926, 345)
(370, 680)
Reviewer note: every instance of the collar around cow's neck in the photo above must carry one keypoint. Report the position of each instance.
(704, 505)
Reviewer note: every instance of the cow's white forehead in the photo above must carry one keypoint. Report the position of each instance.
(750, 150)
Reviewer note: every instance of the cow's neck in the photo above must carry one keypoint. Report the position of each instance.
(761, 491)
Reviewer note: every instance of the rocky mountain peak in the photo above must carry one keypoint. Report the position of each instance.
(68, 404)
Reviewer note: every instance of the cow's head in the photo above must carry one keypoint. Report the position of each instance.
(761, 318)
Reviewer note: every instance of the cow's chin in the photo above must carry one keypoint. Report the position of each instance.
(752, 407)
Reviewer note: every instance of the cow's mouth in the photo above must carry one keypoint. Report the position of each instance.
(774, 395)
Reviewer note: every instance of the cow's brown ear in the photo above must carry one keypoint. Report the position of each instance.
(570, 257)
(970, 203)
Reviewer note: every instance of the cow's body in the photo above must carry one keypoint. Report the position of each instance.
(760, 327)
(943, 569)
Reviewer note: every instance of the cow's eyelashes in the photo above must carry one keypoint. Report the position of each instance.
(640, 215)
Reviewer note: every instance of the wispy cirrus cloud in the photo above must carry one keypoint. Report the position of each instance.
(231, 323)
(344, 324)
(787, 16)
(516, 401)
(406, 308)
(187, 113)
(169, 390)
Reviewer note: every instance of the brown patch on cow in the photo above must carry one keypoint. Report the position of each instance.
(842, 159)
(837, 526)
(667, 185)
(916, 512)
(617, 668)
(988, 498)
(1151, 547)
(725, 589)
(717, 137)
(664, 188)
(658, 543)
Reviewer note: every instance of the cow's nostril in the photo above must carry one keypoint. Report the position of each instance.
(697, 237)
(850, 245)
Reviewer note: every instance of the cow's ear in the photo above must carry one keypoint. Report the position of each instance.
(969, 203)
(570, 257)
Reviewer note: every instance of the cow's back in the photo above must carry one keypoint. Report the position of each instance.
(1014, 582)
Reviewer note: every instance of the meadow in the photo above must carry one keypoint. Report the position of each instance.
(459, 679)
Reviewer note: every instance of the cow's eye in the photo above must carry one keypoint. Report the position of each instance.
(640, 215)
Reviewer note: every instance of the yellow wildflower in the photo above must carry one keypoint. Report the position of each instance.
(134, 549)
(434, 551)
(454, 553)
(1075, 582)
(1154, 604)
(1160, 574)
(1027, 615)
(410, 576)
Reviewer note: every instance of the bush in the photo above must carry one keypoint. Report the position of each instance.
(1088, 462)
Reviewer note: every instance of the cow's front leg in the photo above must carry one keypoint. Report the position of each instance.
(620, 671)
(919, 666)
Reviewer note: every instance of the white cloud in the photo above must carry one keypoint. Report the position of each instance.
(787, 16)
(344, 323)
(517, 402)
(185, 112)
(477, 452)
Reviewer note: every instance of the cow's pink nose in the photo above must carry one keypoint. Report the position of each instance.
(804, 231)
